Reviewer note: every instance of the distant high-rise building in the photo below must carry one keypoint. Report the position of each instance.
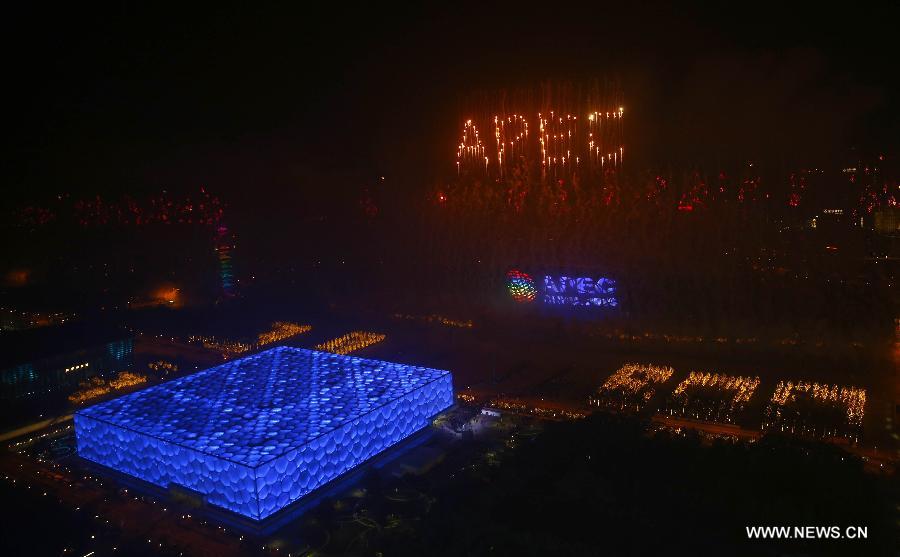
(887, 220)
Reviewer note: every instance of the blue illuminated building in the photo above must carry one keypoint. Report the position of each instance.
(258, 433)
(51, 370)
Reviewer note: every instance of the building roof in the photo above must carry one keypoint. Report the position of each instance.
(253, 409)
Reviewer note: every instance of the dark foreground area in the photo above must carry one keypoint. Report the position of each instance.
(601, 485)
(606, 484)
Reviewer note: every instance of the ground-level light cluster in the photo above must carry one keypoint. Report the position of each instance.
(631, 387)
(711, 396)
(435, 318)
(97, 386)
(225, 347)
(278, 331)
(820, 410)
(162, 366)
(519, 407)
(18, 320)
(281, 330)
(351, 342)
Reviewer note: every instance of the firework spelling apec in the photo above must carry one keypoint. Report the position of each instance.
(563, 146)
(567, 142)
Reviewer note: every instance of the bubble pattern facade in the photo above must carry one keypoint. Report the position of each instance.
(258, 433)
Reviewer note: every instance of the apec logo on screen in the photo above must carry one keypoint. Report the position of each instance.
(579, 291)
(562, 290)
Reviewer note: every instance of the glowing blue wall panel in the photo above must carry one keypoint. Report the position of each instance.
(255, 434)
(224, 483)
(293, 475)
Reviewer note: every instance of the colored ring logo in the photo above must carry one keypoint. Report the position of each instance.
(520, 286)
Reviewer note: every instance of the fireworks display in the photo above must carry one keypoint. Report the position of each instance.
(351, 342)
(278, 331)
(711, 396)
(471, 151)
(816, 409)
(631, 387)
(202, 208)
(510, 135)
(605, 131)
(520, 286)
(559, 132)
(562, 147)
(281, 330)
(97, 386)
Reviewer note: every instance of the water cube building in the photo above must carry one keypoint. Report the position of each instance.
(256, 434)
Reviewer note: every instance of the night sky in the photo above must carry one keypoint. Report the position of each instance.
(252, 101)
